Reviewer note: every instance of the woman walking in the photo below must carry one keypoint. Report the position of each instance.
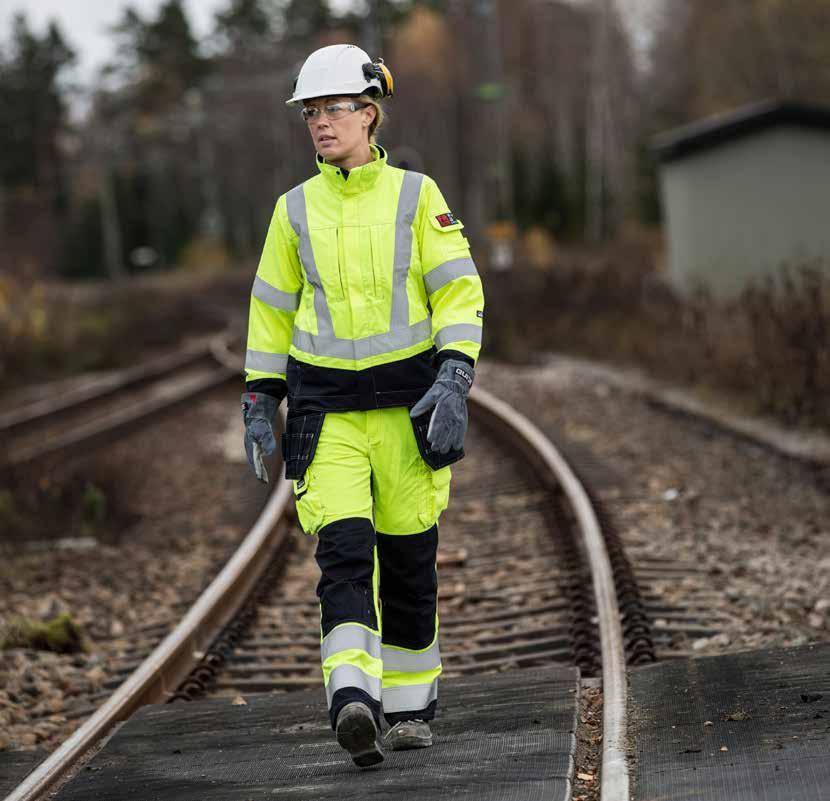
(367, 312)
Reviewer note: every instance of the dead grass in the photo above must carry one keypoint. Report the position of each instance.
(769, 348)
(49, 332)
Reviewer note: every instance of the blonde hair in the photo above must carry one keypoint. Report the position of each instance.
(379, 117)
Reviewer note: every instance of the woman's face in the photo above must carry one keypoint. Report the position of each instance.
(335, 140)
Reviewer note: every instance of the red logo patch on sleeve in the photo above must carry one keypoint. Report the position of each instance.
(445, 220)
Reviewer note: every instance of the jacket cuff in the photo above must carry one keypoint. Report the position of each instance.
(275, 387)
(444, 355)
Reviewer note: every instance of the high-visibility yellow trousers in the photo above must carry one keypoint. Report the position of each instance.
(374, 505)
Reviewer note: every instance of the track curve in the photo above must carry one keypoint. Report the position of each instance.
(188, 658)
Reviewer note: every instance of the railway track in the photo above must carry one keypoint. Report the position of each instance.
(531, 570)
(89, 415)
(525, 581)
(507, 590)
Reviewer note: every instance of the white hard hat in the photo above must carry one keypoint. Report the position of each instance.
(342, 69)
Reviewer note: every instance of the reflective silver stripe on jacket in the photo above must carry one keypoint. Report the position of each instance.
(351, 676)
(295, 207)
(460, 332)
(409, 699)
(400, 334)
(448, 271)
(374, 345)
(276, 298)
(263, 362)
(348, 636)
(407, 208)
(412, 661)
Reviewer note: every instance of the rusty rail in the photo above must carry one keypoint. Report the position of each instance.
(158, 677)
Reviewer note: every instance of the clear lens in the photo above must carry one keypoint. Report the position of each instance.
(333, 111)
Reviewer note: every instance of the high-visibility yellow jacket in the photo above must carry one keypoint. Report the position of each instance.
(363, 277)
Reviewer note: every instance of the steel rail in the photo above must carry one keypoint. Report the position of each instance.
(160, 674)
(555, 471)
(102, 387)
(92, 433)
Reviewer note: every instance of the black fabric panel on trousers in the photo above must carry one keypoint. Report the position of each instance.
(328, 389)
(345, 553)
(348, 695)
(408, 587)
(415, 714)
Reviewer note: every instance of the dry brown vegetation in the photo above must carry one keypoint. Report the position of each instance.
(50, 331)
(769, 348)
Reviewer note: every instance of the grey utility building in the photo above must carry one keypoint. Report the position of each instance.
(744, 193)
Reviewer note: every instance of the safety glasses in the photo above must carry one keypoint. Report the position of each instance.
(332, 111)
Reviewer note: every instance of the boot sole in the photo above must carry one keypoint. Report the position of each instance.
(357, 733)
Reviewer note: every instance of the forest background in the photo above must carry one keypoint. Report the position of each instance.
(536, 118)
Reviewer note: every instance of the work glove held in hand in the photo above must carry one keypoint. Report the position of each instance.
(448, 395)
(258, 411)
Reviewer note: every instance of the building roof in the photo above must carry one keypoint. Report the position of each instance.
(722, 128)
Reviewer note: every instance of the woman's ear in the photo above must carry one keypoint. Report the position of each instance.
(370, 112)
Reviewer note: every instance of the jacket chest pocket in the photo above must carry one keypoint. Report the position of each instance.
(329, 259)
(378, 261)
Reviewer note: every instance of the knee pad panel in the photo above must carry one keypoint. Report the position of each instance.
(346, 556)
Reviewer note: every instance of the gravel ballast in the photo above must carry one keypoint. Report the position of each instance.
(184, 486)
(755, 525)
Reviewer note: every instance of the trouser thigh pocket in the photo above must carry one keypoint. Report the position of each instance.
(310, 508)
(299, 442)
(436, 496)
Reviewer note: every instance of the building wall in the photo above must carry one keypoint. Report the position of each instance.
(743, 208)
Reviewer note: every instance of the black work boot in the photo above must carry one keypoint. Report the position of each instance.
(357, 732)
(409, 734)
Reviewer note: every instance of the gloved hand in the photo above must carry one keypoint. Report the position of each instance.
(448, 395)
(258, 411)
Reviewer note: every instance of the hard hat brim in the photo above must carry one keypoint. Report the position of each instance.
(334, 91)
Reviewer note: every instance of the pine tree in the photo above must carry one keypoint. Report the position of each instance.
(32, 105)
(159, 58)
(305, 18)
(246, 24)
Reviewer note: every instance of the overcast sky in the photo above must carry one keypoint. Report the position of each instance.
(85, 22)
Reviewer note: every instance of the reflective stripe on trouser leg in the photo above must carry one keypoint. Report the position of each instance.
(350, 648)
(410, 693)
(411, 655)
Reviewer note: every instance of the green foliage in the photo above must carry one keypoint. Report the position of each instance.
(303, 19)
(543, 196)
(60, 634)
(82, 255)
(158, 58)
(247, 23)
(648, 190)
(384, 15)
(32, 107)
(11, 519)
(93, 504)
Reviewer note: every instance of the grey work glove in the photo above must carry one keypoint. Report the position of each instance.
(448, 395)
(258, 411)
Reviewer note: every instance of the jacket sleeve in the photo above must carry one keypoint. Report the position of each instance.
(275, 297)
(451, 281)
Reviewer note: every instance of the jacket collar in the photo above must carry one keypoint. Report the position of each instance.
(360, 178)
